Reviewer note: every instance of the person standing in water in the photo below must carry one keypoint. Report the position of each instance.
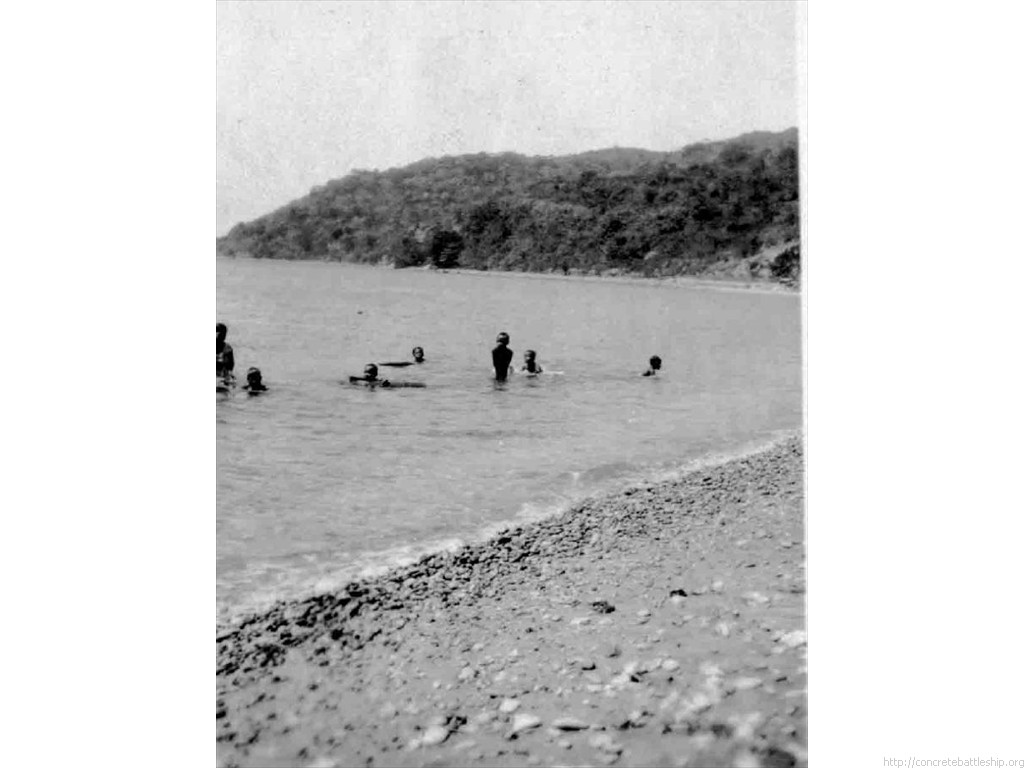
(225, 356)
(655, 362)
(530, 362)
(501, 356)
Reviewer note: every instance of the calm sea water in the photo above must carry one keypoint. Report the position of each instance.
(319, 481)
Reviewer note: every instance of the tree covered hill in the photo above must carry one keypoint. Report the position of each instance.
(712, 207)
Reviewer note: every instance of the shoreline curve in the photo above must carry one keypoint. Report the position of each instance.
(663, 625)
(371, 566)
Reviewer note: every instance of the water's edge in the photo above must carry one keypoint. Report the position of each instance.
(715, 283)
(386, 564)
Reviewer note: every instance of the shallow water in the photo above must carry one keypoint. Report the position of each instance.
(319, 481)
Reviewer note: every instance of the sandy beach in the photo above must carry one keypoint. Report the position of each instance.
(662, 626)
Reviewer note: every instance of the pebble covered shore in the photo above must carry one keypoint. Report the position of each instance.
(662, 626)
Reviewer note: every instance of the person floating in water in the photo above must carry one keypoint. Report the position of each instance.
(225, 357)
(417, 357)
(655, 367)
(254, 381)
(369, 377)
(501, 356)
(530, 360)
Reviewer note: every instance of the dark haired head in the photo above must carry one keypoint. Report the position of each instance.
(655, 362)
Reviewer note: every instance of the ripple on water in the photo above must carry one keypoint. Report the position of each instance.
(318, 480)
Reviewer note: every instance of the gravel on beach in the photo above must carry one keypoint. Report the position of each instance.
(661, 626)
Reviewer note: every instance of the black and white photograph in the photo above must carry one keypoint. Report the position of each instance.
(612, 383)
(509, 441)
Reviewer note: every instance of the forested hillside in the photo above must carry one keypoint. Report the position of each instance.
(719, 207)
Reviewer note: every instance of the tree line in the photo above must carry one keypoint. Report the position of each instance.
(707, 207)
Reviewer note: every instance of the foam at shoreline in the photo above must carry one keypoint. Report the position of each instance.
(661, 625)
(387, 564)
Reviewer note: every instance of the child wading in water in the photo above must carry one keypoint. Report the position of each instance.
(254, 381)
(530, 360)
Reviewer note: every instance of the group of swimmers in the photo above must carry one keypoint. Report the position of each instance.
(501, 358)
(370, 377)
(226, 367)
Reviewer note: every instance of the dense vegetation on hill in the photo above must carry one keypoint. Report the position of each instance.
(716, 207)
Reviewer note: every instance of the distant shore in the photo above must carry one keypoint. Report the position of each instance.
(663, 625)
(682, 281)
(718, 282)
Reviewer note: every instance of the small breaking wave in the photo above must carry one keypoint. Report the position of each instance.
(290, 583)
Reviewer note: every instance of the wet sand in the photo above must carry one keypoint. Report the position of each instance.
(662, 626)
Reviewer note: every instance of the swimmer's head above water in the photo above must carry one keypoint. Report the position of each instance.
(369, 377)
(530, 362)
(254, 380)
(655, 363)
(417, 354)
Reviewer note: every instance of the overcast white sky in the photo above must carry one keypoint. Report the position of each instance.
(308, 91)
